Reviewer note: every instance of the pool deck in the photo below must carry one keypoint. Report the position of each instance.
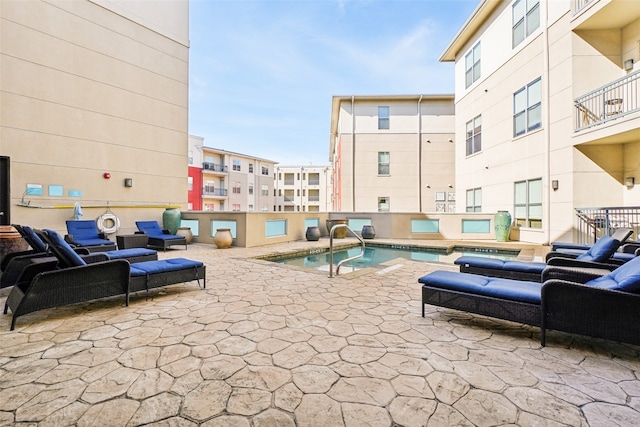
(269, 345)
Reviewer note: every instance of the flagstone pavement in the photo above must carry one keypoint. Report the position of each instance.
(270, 345)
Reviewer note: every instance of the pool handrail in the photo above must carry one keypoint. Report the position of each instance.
(333, 229)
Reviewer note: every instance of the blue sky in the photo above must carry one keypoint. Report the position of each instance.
(263, 72)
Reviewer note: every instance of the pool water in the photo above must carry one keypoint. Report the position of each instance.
(377, 255)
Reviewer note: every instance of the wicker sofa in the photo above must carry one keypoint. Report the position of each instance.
(590, 302)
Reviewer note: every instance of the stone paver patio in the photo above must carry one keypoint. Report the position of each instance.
(268, 345)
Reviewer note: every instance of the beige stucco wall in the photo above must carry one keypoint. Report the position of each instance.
(87, 91)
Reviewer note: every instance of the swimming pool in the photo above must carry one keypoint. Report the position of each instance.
(318, 259)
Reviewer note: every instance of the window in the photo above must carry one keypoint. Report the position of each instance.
(383, 204)
(250, 189)
(265, 170)
(289, 179)
(250, 209)
(525, 19)
(250, 167)
(528, 203)
(265, 190)
(527, 108)
(474, 135)
(383, 162)
(235, 207)
(190, 183)
(236, 188)
(190, 157)
(472, 65)
(236, 165)
(474, 200)
(383, 117)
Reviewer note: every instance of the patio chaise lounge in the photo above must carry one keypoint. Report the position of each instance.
(598, 256)
(578, 301)
(84, 233)
(158, 237)
(40, 253)
(41, 284)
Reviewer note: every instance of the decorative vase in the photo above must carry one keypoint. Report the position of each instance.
(223, 238)
(186, 233)
(312, 234)
(171, 220)
(502, 225)
(368, 232)
(340, 232)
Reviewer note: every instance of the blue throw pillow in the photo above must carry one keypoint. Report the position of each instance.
(34, 240)
(601, 250)
(63, 250)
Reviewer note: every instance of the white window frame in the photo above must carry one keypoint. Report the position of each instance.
(384, 121)
(384, 163)
(474, 135)
(384, 204)
(527, 108)
(527, 206)
(237, 165)
(474, 200)
(525, 19)
(472, 70)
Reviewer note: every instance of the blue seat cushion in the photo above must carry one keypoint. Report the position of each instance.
(601, 250)
(161, 266)
(33, 239)
(152, 228)
(168, 237)
(499, 264)
(91, 242)
(625, 278)
(514, 290)
(64, 250)
(132, 252)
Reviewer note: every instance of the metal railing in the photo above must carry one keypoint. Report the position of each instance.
(596, 222)
(609, 102)
(216, 192)
(213, 167)
(361, 254)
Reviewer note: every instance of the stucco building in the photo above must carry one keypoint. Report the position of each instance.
(547, 112)
(393, 153)
(93, 109)
(303, 188)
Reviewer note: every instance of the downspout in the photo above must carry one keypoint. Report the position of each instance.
(547, 127)
(353, 154)
(420, 154)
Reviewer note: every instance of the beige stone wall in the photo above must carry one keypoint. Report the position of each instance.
(87, 91)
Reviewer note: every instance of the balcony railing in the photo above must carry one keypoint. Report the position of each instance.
(314, 182)
(596, 222)
(578, 5)
(213, 167)
(608, 102)
(314, 198)
(215, 192)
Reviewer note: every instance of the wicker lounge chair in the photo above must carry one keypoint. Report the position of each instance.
(580, 301)
(158, 237)
(43, 285)
(598, 256)
(621, 234)
(84, 233)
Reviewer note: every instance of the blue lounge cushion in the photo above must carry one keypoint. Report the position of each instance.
(499, 264)
(128, 253)
(64, 249)
(85, 233)
(161, 266)
(601, 250)
(152, 228)
(625, 278)
(33, 239)
(514, 290)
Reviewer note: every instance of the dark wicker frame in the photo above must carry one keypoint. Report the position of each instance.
(566, 305)
(163, 244)
(42, 286)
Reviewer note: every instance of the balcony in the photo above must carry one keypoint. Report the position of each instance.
(578, 5)
(213, 192)
(314, 182)
(609, 102)
(213, 167)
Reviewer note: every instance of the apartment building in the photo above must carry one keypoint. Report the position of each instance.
(393, 153)
(93, 109)
(547, 110)
(222, 180)
(303, 188)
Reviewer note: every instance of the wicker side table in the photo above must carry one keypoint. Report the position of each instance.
(128, 241)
